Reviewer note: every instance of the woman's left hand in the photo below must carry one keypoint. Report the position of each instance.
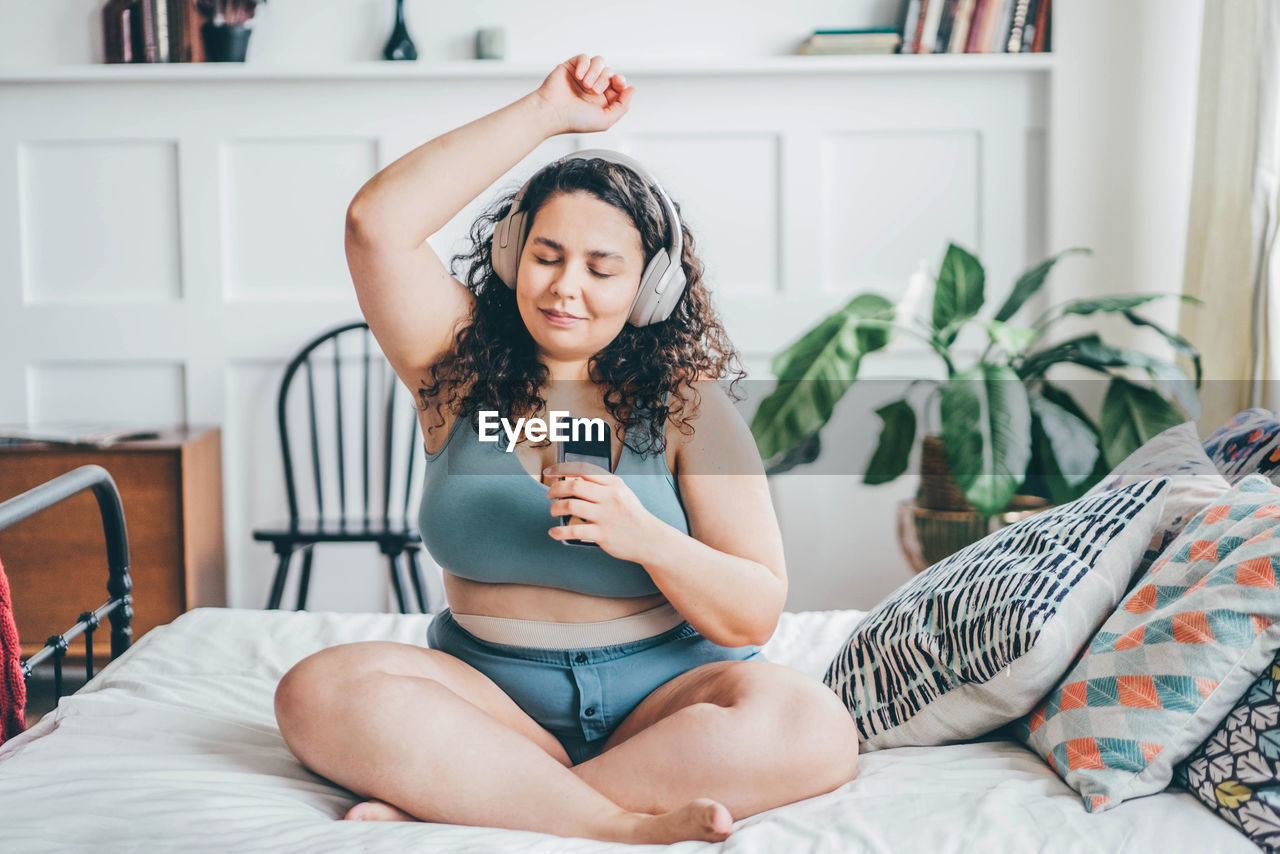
(612, 516)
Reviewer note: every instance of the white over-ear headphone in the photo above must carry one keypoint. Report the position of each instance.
(663, 281)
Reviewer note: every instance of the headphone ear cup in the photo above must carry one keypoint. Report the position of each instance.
(647, 296)
(508, 242)
(657, 298)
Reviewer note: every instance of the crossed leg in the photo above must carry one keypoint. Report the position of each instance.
(421, 730)
(752, 735)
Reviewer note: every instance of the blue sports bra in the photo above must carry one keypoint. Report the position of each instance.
(483, 517)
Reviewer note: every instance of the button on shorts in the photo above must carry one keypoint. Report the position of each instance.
(582, 695)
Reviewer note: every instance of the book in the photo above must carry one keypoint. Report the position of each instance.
(907, 26)
(960, 31)
(918, 38)
(90, 435)
(929, 36)
(834, 43)
(980, 12)
(1006, 26)
(945, 24)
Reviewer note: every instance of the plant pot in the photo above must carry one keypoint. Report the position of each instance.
(224, 43)
(941, 521)
(937, 490)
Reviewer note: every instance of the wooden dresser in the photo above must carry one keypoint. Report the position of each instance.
(171, 488)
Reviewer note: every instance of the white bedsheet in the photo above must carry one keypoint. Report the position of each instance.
(174, 747)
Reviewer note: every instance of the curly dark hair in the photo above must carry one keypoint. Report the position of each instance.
(493, 364)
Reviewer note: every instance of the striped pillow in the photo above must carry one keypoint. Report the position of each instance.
(977, 639)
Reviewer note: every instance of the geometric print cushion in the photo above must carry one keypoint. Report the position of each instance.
(976, 640)
(1194, 481)
(1236, 772)
(1168, 665)
(1247, 444)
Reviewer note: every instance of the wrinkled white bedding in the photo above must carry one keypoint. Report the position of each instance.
(174, 747)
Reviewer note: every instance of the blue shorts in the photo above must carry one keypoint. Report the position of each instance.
(582, 695)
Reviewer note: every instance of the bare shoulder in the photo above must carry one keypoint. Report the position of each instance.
(720, 441)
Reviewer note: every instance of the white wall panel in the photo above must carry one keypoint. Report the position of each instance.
(893, 198)
(727, 187)
(106, 392)
(99, 220)
(283, 212)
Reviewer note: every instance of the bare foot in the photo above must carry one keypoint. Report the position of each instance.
(376, 811)
(701, 818)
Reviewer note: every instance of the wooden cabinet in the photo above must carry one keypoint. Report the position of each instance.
(171, 489)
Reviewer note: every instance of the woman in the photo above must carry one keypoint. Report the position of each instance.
(614, 692)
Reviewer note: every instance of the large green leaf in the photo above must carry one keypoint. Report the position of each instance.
(1180, 344)
(815, 373)
(1030, 282)
(1111, 304)
(1087, 350)
(1072, 443)
(986, 431)
(1132, 414)
(897, 436)
(959, 293)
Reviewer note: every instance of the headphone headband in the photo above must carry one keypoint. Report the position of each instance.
(663, 281)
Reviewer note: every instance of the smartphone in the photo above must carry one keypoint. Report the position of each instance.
(586, 450)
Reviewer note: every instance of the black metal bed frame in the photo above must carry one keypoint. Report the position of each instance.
(119, 607)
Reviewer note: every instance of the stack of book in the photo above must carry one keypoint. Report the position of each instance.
(868, 40)
(975, 26)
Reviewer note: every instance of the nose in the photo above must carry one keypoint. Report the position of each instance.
(567, 283)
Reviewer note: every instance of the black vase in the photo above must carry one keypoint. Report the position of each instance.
(399, 45)
(224, 43)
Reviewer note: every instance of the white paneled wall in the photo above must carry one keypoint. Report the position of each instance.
(177, 235)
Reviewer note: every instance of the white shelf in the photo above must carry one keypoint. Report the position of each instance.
(771, 65)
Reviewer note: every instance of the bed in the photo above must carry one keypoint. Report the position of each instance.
(174, 746)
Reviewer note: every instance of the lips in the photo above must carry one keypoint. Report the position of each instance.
(560, 316)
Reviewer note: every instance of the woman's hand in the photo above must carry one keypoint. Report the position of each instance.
(612, 516)
(586, 94)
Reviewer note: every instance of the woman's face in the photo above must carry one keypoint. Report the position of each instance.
(583, 258)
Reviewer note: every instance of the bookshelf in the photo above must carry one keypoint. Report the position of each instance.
(771, 65)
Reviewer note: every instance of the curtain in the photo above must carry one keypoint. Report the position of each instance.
(1232, 257)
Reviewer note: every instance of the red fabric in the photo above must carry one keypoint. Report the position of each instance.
(13, 688)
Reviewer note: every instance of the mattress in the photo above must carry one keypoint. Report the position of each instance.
(174, 746)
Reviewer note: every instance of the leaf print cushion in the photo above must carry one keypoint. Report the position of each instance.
(1236, 772)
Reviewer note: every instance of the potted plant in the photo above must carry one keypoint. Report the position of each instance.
(226, 30)
(1004, 427)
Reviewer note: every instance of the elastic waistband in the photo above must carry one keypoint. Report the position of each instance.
(552, 635)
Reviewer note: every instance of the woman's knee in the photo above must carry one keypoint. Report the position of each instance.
(311, 692)
(818, 727)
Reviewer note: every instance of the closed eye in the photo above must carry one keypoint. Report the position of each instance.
(548, 262)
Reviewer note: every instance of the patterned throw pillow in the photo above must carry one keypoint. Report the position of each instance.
(1194, 482)
(977, 639)
(1247, 444)
(1167, 666)
(1236, 772)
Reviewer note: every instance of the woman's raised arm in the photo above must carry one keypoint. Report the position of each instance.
(411, 301)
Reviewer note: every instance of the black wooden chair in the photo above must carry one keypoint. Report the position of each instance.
(360, 490)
